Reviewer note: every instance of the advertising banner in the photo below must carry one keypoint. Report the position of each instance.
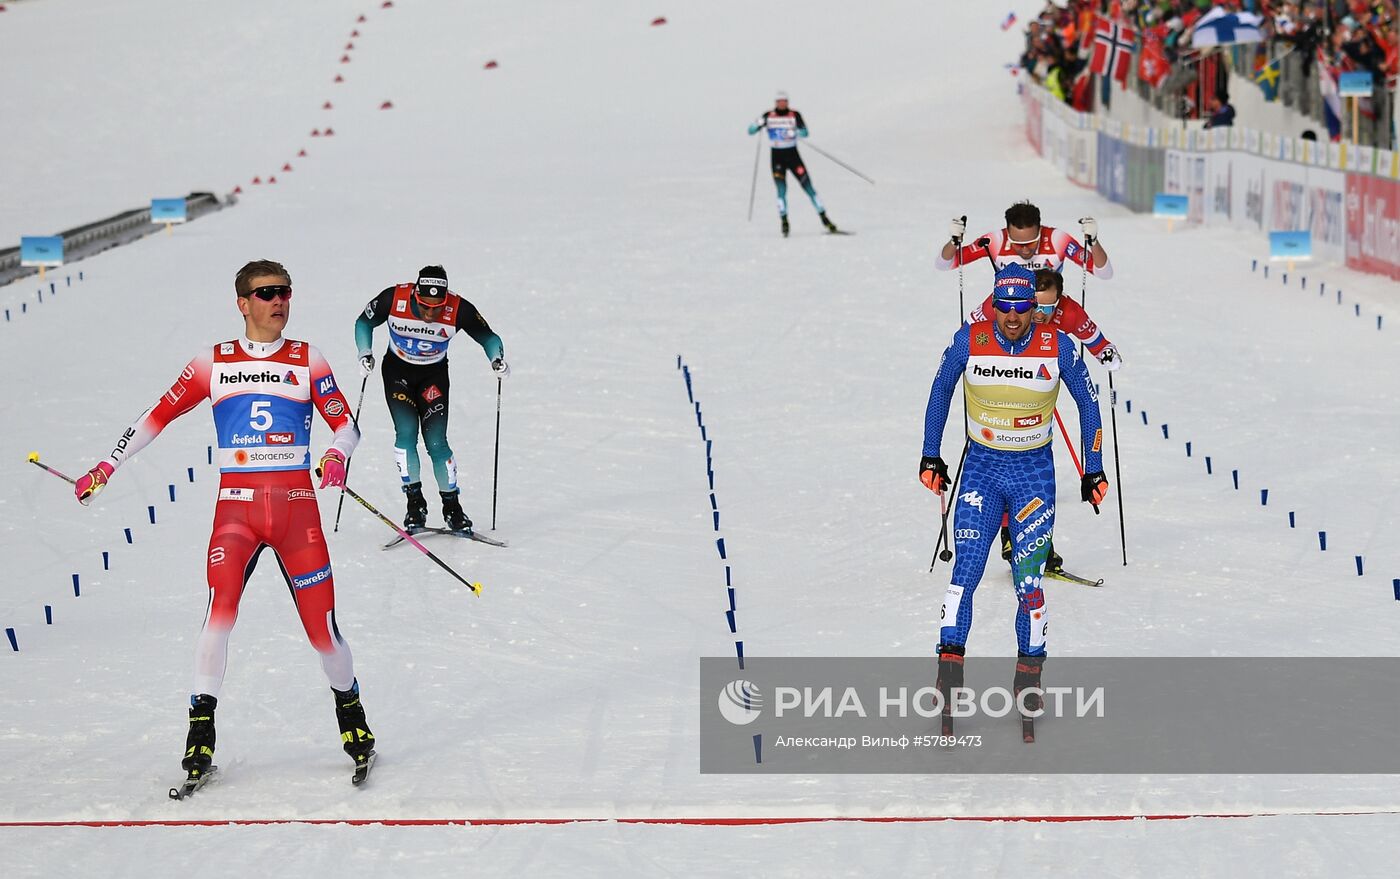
(1300, 198)
(1373, 224)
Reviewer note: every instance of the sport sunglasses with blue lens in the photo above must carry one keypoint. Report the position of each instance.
(1020, 306)
(273, 291)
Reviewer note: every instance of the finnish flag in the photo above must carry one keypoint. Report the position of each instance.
(1221, 28)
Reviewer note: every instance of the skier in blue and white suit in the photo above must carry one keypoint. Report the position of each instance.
(1011, 370)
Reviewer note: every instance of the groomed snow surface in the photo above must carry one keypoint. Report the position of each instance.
(589, 197)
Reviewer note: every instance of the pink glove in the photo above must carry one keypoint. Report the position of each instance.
(91, 482)
(332, 469)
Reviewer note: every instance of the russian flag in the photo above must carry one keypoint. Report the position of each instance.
(1010, 20)
(1331, 101)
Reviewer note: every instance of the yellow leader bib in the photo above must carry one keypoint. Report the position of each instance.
(1011, 397)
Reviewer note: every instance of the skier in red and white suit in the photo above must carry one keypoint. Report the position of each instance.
(1024, 241)
(263, 388)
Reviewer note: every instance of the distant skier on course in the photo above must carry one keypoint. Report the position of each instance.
(784, 126)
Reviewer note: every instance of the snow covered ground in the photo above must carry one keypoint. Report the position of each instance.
(589, 196)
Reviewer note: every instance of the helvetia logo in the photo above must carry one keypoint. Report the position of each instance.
(290, 378)
(998, 372)
(740, 702)
(1044, 374)
(239, 377)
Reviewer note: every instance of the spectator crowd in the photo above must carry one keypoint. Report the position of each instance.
(1346, 35)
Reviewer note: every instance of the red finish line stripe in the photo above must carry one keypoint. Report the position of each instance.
(712, 822)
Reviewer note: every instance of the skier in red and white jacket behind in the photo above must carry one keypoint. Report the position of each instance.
(1024, 241)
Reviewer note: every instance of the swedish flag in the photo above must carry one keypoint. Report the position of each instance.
(1267, 79)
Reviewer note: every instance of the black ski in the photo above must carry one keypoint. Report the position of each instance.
(192, 783)
(362, 770)
(839, 232)
(1027, 729)
(1067, 577)
(469, 535)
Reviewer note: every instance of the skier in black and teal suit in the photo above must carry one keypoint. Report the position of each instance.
(784, 126)
(1011, 369)
(423, 317)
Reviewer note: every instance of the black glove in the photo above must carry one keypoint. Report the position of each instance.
(933, 473)
(1093, 487)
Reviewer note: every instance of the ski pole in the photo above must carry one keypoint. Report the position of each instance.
(1072, 456)
(823, 152)
(753, 186)
(345, 489)
(940, 550)
(34, 459)
(1117, 471)
(945, 554)
(1112, 406)
(496, 464)
(356, 418)
(957, 253)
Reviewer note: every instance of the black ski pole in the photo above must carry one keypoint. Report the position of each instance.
(496, 466)
(1117, 470)
(940, 550)
(823, 152)
(1112, 405)
(947, 554)
(753, 186)
(356, 418)
(345, 489)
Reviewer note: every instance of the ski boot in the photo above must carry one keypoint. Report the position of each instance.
(199, 744)
(452, 512)
(826, 221)
(1053, 563)
(1028, 678)
(950, 676)
(417, 507)
(355, 736)
(786, 227)
(1005, 543)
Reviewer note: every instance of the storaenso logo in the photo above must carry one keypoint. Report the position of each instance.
(240, 377)
(740, 702)
(998, 372)
(271, 456)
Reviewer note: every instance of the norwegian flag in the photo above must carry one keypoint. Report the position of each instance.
(1113, 49)
(1153, 66)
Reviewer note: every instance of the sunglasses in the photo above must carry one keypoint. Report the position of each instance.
(1020, 306)
(441, 301)
(1047, 310)
(273, 291)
